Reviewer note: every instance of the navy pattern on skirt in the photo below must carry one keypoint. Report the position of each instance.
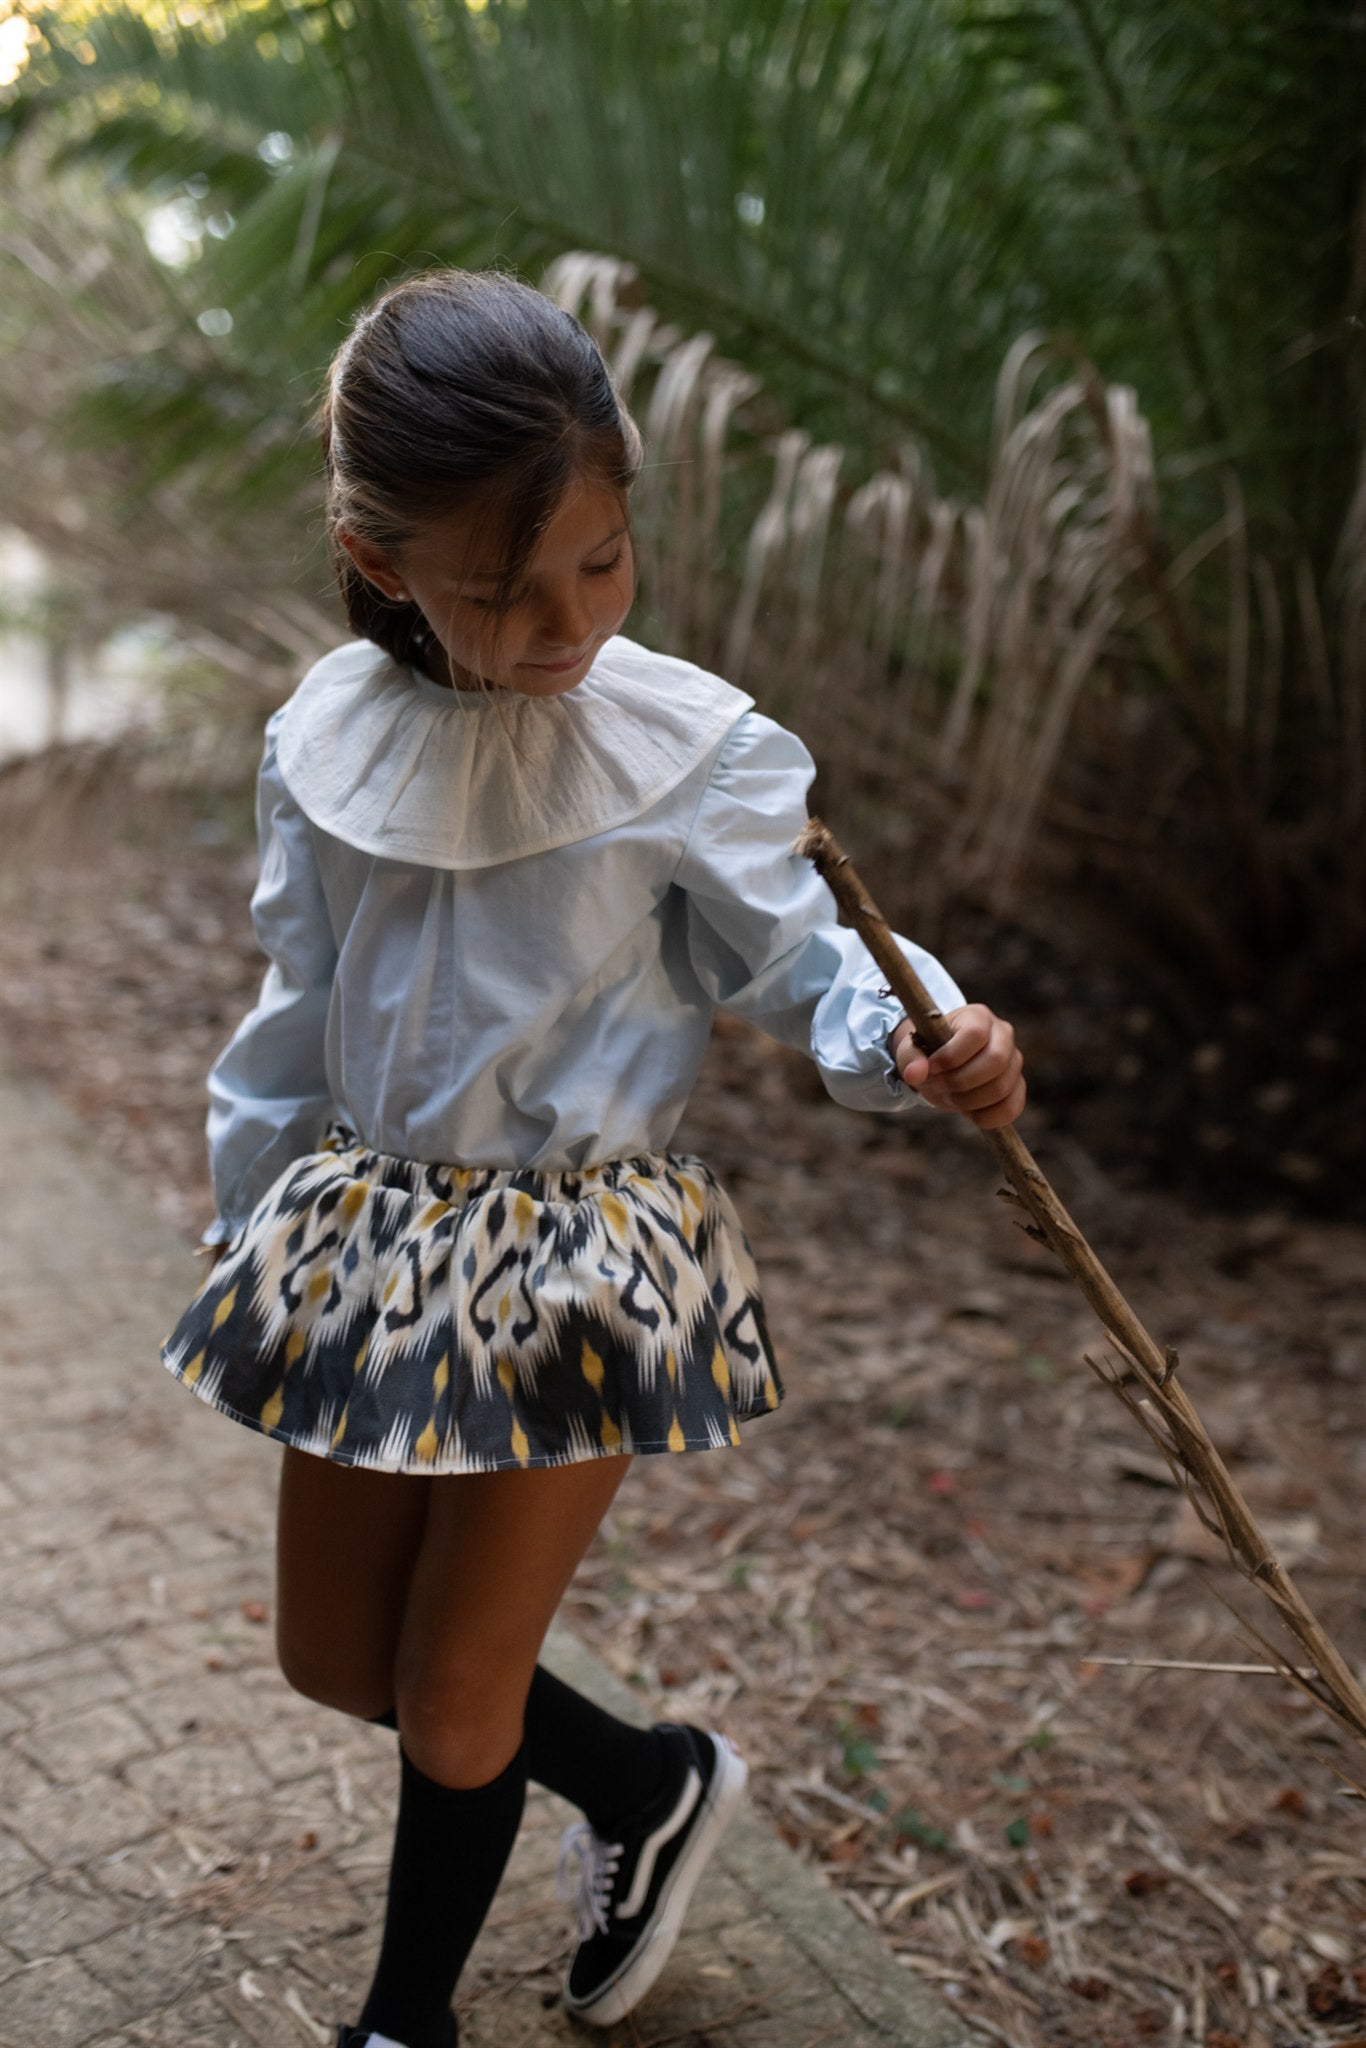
(418, 1318)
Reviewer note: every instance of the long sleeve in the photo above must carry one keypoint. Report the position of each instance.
(268, 1089)
(762, 926)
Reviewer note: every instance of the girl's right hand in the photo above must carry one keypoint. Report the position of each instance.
(977, 1072)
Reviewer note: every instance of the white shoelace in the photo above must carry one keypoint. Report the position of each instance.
(587, 1887)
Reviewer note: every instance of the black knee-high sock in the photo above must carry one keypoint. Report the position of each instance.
(450, 1846)
(604, 1766)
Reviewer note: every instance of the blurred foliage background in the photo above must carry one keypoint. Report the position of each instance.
(1002, 372)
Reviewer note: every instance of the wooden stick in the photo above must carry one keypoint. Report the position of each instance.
(1160, 1403)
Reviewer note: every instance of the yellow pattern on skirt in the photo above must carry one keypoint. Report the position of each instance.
(418, 1318)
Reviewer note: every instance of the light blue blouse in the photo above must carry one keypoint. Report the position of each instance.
(549, 1008)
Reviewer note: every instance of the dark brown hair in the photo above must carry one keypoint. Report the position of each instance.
(461, 387)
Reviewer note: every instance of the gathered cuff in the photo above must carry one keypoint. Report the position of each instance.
(896, 1087)
(882, 1026)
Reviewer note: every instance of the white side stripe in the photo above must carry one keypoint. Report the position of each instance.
(665, 1832)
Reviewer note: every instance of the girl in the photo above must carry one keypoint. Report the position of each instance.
(510, 863)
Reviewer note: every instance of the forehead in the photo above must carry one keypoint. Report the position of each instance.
(469, 546)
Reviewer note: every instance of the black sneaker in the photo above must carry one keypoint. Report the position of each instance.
(632, 1894)
(360, 2037)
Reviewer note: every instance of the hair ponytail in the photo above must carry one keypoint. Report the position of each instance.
(460, 388)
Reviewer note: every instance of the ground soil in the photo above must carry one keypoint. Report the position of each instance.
(921, 1594)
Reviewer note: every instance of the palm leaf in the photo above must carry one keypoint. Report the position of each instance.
(1172, 187)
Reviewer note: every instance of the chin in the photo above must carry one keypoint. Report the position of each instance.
(530, 681)
(525, 685)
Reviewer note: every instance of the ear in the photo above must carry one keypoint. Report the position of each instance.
(374, 566)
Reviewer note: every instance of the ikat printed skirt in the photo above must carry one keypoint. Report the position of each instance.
(418, 1318)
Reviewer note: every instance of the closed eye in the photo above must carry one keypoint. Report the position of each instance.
(488, 604)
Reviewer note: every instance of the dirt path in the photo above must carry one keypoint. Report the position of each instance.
(902, 1589)
(193, 1856)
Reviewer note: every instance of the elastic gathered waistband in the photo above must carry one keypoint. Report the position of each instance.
(449, 1180)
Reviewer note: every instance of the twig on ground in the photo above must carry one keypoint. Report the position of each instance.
(1194, 1664)
(916, 1894)
(313, 2028)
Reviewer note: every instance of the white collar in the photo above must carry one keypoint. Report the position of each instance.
(382, 757)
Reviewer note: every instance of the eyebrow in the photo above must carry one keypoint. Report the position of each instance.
(495, 575)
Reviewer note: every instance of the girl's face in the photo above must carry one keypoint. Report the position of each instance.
(573, 594)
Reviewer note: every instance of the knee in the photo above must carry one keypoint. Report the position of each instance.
(464, 1730)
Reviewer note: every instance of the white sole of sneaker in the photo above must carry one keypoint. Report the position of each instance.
(623, 1993)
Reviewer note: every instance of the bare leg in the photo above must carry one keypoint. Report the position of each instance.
(346, 1542)
(348, 1545)
(497, 1552)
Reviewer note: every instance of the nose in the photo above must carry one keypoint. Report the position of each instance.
(567, 619)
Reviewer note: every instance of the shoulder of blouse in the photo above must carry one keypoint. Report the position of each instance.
(400, 767)
(760, 767)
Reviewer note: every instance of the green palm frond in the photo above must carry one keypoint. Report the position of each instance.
(864, 203)
(126, 436)
(782, 174)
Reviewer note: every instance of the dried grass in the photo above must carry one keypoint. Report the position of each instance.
(884, 585)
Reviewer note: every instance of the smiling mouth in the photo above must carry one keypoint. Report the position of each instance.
(559, 668)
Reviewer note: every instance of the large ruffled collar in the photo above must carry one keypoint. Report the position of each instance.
(395, 764)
